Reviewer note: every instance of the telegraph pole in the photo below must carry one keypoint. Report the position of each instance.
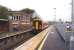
(72, 36)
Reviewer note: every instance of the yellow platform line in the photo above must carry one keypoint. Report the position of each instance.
(40, 47)
(68, 31)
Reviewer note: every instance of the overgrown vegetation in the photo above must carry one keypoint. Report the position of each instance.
(3, 12)
(27, 10)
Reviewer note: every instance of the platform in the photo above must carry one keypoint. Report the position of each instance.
(32, 43)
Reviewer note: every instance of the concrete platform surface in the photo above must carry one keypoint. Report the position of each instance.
(32, 43)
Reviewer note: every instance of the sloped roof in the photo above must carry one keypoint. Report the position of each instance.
(3, 19)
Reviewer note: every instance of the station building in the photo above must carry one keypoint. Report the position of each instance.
(19, 21)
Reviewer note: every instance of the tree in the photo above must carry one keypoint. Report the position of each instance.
(28, 11)
(37, 17)
(3, 12)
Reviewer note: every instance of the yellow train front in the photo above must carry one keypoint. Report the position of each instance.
(37, 24)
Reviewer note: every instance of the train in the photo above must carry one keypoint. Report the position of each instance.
(39, 25)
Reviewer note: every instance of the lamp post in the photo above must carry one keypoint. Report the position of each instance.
(54, 14)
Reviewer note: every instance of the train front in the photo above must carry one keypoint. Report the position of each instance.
(37, 24)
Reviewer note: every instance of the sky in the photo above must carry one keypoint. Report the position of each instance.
(44, 8)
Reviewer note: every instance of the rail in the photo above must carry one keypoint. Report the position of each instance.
(5, 35)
